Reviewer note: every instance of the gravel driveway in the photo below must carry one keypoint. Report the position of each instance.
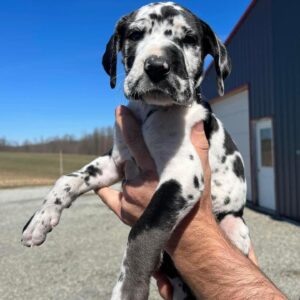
(81, 258)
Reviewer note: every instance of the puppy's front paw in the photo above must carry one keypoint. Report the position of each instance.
(37, 227)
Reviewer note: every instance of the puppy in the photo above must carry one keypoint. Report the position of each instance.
(163, 47)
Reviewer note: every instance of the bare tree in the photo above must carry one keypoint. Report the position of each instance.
(96, 143)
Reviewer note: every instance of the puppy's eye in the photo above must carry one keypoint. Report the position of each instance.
(190, 39)
(135, 35)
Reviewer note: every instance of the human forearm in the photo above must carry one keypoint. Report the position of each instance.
(213, 267)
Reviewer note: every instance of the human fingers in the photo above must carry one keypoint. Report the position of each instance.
(128, 212)
(164, 286)
(131, 131)
(201, 145)
(111, 198)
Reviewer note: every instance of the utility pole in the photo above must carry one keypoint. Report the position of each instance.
(61, 163)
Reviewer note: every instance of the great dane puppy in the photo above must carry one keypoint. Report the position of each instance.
(163, 47)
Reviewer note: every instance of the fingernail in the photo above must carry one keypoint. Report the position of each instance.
(199, 127)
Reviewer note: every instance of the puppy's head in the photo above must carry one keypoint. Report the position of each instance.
(164, 47)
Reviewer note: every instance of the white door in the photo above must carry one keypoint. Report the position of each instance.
(265, 164)
(233, 111)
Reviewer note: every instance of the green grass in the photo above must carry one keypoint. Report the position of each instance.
(31, 169)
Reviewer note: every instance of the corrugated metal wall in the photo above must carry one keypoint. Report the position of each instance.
(265, 54)
(286, 57)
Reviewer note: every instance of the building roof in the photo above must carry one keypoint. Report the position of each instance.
(237, 27)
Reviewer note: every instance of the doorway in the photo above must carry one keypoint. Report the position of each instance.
(265, 164)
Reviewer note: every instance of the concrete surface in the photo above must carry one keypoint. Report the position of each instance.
(81, 257)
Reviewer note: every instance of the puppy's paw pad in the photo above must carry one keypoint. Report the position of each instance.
(37, 227)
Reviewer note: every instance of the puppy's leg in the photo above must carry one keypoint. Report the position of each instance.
(237, 231)
(100, 172)
(149, 236)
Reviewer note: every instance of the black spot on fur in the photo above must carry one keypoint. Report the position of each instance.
(184, 29)
(171, 21)
(229, 145)
(222, 215)
(86, 180)
(196, 182)
(42, 212)
(191, 197)
(168, 32)
(93, 171)
(129, 57)
(153, 16)
(67, 189)
(44, 202)
(216, 170)
(217, 183)
(156, 17)
(177, 61)
(57, 201)
(213, 197)
(169, 11)
(223, 159)
(238, 168)
(191, 157)
(202, 179)
(187, 93)
(168, 267)
(162, 211)
(210, 126)
(28, 222)
(150, 30)
(227, 200)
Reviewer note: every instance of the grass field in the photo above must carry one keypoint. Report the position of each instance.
(32, 169)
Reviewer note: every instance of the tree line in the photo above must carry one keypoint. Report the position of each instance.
(95, 143)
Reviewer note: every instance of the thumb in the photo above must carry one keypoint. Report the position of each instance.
(164, 286)
(201, 145)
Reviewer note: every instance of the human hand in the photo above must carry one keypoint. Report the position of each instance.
(137, 191)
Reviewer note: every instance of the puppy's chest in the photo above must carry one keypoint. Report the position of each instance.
(166, 132)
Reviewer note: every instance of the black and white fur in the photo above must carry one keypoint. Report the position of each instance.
(163, 47)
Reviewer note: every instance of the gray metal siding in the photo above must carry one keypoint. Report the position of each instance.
(286, 51)
(265, 53)
(250, 50)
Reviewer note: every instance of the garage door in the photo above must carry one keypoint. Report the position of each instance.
(233, 111)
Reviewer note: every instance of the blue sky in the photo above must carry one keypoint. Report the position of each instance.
(51, 79)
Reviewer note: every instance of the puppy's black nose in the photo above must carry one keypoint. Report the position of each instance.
(156, 68)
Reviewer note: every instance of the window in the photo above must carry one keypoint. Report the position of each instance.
(266, 147)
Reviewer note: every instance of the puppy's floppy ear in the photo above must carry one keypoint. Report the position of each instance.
(213, 46)
(109, 59)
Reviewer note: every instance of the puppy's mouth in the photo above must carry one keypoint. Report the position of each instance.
(165, 93)
(155, 96)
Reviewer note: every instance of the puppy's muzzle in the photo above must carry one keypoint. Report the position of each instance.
(157, 68)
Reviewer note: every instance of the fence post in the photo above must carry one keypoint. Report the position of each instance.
(61, 163)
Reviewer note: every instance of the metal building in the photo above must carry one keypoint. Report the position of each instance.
(261, 105)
